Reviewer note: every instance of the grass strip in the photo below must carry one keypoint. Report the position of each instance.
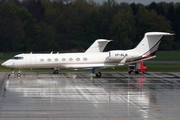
(167, 56)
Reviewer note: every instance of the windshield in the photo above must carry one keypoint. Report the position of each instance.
(17, 58)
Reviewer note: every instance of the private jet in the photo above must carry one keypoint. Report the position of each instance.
(93, 58)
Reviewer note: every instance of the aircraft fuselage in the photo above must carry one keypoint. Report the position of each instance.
(68, 60)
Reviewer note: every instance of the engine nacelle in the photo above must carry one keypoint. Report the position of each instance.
(117, 55)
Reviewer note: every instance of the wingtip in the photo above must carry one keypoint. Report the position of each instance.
(158, 33)
(172, 34)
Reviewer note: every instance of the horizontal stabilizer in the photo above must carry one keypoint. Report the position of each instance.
(158, 33)
(97, 46)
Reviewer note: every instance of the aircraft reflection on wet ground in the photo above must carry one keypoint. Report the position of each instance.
(137, 81)
(79, 96)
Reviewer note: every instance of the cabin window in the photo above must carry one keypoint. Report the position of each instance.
(85, 59)
(49, 60)
(63, 59)
(70, 59)
(56, 59)
(77, 59)
(42, 60)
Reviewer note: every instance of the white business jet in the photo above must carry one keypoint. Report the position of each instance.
(93, 58)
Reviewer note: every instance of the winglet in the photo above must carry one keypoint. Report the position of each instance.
(98, 46)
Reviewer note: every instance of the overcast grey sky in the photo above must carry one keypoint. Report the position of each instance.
(145, 2)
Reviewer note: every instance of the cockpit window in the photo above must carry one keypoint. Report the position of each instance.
(17, 58)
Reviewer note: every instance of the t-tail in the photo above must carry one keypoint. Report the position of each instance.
(149, 44)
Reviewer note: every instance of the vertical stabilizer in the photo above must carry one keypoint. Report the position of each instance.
(150, 43)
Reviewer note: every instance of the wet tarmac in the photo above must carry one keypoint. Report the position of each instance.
(76, 96)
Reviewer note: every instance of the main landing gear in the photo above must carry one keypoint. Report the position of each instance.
(98, 75)
(96, 71)
(55, 72)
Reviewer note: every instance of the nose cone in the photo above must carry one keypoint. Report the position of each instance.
(4, 64)
(8, 64)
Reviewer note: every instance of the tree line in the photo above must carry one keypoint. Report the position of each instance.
(60, 25)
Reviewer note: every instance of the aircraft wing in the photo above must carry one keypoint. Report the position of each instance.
(122, 62)
(98, 46)
(91, 66)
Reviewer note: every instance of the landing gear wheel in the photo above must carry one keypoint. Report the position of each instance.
(55, 72)
(98, 75)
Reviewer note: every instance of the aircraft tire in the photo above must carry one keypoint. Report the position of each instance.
(98, 75)
(55, 72)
